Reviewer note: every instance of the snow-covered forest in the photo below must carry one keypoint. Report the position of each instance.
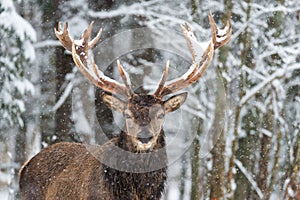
(236, 137)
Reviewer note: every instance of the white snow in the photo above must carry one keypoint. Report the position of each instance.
(267, 132)
(9, 18)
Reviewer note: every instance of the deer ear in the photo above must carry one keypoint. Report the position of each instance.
(174, 102)
(113, 102)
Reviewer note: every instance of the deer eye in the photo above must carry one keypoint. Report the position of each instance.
(161, 116)
(127, 116)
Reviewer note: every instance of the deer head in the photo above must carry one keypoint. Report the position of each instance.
(144, 114)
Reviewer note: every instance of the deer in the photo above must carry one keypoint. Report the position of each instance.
(133, 165)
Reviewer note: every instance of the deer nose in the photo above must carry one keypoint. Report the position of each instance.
(145, 140)
(145, 136)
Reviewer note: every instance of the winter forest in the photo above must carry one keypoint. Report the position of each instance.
(236, 137)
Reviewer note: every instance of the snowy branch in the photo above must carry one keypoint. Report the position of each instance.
(249, 177)
(153, 13)
(47, 43)
(263, 10)
(254, 90)
(63, 97)
(194, 112)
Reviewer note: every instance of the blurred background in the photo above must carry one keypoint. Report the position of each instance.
(237, 136)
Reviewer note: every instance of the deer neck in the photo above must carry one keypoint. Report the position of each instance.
(141, 175)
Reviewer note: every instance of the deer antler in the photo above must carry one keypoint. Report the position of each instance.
(88, 68)
(199, 63)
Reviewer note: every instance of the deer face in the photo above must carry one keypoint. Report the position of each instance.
(144, 116)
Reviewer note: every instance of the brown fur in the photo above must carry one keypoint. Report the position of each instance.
(78, 171)
(74, 171)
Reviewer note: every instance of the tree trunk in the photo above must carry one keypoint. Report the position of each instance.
(195, 164)
(183, 174)
(217, 179)
(218, 170)
(262, 177)
(62, 63)
(63, 121)
(47, 71)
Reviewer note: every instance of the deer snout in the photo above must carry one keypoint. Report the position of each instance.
(145, 136)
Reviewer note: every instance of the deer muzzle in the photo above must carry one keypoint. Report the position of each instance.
(145, 136)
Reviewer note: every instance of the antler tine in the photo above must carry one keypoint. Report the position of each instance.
(200, 63)
(64, 37)
(94, 41)
(213, 27)
(125, 78)
(87, 34)
(219, 37)
(162, 80)
(89, 69)
(185, 30)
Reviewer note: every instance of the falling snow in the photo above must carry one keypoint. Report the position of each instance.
(250, 93)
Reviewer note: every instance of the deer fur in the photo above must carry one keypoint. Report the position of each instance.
(78, 171)
(70, 171)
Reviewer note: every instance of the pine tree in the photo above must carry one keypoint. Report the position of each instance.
(16, 55)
